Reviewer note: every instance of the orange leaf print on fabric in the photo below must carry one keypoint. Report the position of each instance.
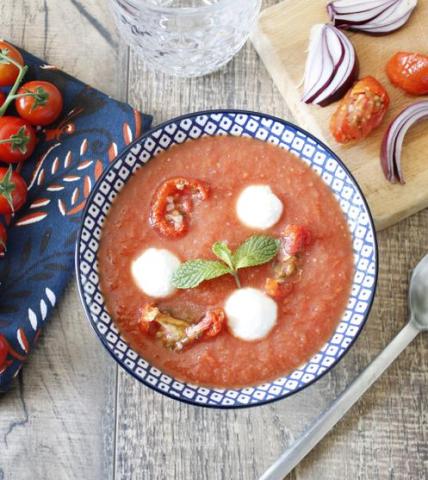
(87, 185)
(112, 152)
(77, 208)
(40, 202)
(61, 207)
(127, 133)
(98, 169)
(22, 339)
(75, 196)
(137, 118)
(31, 218)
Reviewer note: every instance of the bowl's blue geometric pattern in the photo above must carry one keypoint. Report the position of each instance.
(271, 130)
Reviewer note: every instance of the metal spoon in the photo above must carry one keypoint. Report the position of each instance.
(418, 322)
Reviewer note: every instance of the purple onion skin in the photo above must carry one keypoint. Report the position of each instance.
(347, 26)
(344, 88)
(344, 25)
(389, 175)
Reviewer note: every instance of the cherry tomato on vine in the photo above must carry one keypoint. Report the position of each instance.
(4, 350)
(13, 191)
(2, 98)
(8, 71)
(17, 139)
(41, 103)
(3, 240)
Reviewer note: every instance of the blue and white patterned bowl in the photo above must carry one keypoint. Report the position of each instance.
(269, 129)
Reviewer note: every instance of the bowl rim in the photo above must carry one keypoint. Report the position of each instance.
(147, 134)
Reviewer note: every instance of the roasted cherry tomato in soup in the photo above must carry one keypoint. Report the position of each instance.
(409, 71)
(360, 111)
(3, 240)
(17, 139)
(293, 241)
(13, 191)
(9, 71)
(40, 102)
(172, 205)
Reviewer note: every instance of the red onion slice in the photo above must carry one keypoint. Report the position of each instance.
(371, 16)
(392, 143)
(331, 66)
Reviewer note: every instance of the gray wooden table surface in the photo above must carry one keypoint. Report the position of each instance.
(75, 415)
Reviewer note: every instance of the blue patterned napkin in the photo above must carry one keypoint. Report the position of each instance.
(71, 155)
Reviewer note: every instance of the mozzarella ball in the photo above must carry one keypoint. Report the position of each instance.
(258, 207)
(153, 271)
(251, 314)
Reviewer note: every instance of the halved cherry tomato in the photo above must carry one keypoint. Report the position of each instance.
(13, 191)
(360, 111)
(2, 98)
(8, 71)
(17, 139)
(40, 104)
(294, 239)
(172, 204)
(409, 71)
(3, 240)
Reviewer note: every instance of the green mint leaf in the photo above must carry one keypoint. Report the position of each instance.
(256, 250)
(223, 252)
(190, 274)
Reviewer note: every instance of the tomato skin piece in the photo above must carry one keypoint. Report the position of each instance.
(11, 126)
(3, 240)
(44, 113)
(360, 111)
(216, 319)
(9, 72)
(172, 204)
(294, 239)
(12, 186)
(409, 71)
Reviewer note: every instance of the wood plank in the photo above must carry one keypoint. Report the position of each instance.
(58, 422)
(160, 438)
(281, 39)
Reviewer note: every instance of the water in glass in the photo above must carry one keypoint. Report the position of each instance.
(186, 37)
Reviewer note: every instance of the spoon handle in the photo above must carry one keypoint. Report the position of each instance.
(326, 421)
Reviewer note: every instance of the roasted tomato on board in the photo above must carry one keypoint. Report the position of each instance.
(8, 71)
(17, 139)
(40, 103)
(173, 203)
(409, 71)
(360, 111)
(13, 191)
(3, 240)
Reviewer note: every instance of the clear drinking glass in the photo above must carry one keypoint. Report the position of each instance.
(186, 38)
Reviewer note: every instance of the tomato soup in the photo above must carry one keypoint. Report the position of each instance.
(306, 317)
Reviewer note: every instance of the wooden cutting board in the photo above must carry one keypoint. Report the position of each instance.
(281, 39)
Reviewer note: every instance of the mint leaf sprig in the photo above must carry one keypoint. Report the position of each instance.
(256, 250)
